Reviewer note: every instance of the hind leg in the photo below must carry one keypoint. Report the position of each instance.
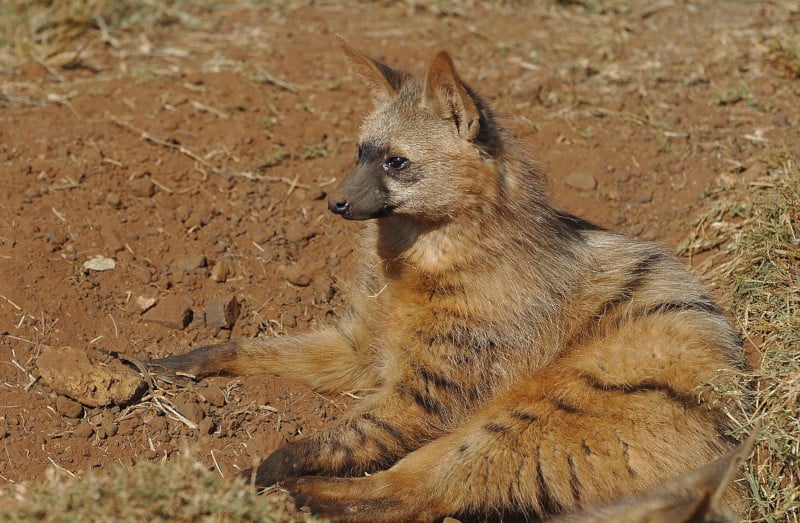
(547, 448)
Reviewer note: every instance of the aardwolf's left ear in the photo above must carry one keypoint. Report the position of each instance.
(382, 81)
(446, 95)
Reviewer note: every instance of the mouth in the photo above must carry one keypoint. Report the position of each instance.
(361, 215)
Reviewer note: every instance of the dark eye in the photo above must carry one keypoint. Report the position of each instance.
(358, 154)
(395, 163)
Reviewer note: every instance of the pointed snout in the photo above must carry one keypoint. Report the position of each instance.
(339, 202)
(362, 195)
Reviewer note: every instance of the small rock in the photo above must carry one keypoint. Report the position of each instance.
(221, 313)
(144, 303)
(643, 197)
(56, 238)
(190, 263)
(199, 218)
(84, 430)
(297, 275)
(189, 409)
(89, 377)
(581, 180)
(451, 520)
(109, 427)
(113, 200)
(99, 264)
(214, 396)
(155, 423)
(183, 212)
(754, 172)
(289, 320)
(207, 426)
(172, 312)
(222, 270)
(111, 239)
(623, 176)
(127, 426)
(296, 232)
(69, 408)
(142, 188)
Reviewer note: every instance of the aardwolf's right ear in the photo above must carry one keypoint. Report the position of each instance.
(382, 81)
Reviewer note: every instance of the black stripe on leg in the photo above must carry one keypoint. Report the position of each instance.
(384, 425)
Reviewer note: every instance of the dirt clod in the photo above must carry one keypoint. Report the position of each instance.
(69, 408)
(172, 312)
(221, 313)
(91, 378)
(581, 180)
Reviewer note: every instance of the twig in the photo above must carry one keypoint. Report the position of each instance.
(266, 76)
(59, 467)
(216, 465)
(144, 135)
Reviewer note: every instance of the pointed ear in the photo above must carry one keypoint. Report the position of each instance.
(446, 95)
(381, 80)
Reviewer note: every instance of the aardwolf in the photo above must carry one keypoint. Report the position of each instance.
(526, 361)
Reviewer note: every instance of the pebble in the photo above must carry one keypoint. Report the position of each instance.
(214, 396)
(581, 180)
(191, 262)
(297, 275)
(643, 197)
(296, 232)
(207, 426)
(222, 270)
(221, 313)
(111, 238)
(172, 312)
(84, 430)
(69, 408)
(142, 188)
(89, 377)
(315, 192)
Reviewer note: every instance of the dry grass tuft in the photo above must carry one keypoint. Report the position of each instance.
(175, 491)
(758, 237)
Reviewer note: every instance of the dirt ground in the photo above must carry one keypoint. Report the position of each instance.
(195, 152)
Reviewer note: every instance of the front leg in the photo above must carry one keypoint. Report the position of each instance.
(382, 429)
(331, 359)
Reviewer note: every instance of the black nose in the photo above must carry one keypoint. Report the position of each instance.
(338, 204)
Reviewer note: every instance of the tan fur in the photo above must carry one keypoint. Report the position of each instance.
(527, 363)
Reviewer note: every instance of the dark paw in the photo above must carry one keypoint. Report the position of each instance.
(277, 467)
(195, 364)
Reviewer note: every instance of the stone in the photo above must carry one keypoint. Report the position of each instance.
(214, 396)
(296, 232)
(142, 188)
(92, 378)
(69, 408)
(643, 197)
(223, 269)
(172, 312)
(221, 313)
(191, 263)
(297, 275)
(111, 239)
(581, 180)
(84, 430)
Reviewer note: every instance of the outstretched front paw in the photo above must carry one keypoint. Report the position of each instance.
(204, 361)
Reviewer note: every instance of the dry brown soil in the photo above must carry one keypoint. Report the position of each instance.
(197, 155)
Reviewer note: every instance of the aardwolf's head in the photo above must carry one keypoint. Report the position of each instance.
(425, 152)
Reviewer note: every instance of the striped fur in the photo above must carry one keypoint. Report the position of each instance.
(527, 363)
